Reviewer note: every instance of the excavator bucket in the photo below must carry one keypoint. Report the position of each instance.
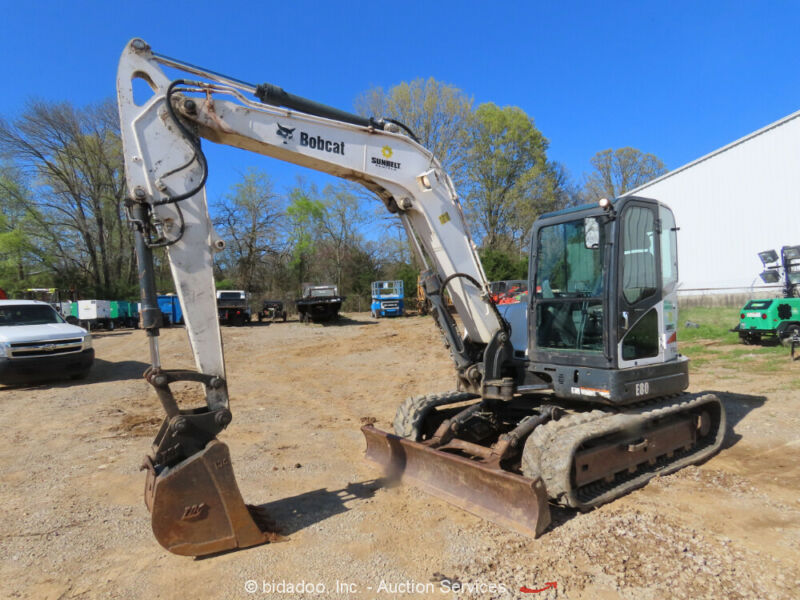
(505, 498)
(197, 509)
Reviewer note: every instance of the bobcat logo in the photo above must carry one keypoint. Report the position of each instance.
(285, 132)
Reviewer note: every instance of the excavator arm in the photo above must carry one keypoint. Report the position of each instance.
(191, 491)
(166, 171)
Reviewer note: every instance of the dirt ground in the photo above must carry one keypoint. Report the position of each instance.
(75, 525)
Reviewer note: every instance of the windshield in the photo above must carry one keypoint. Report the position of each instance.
(28, 314)
(569, 286)
(322, 292)
(565, 266)
(230, 295)
(758, 304)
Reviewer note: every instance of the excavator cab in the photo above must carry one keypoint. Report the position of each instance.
(597, 407)
(602, 321)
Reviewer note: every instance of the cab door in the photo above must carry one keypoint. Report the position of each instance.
(640, 319)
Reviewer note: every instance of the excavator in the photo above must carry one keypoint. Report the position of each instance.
(574, 398)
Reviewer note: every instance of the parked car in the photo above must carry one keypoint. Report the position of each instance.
(37, 343)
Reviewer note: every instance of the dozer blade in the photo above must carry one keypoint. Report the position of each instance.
(508, 499)
(197, 508)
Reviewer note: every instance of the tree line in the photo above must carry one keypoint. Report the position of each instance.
(62, 191)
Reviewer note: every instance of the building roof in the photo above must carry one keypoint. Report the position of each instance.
(733, 144)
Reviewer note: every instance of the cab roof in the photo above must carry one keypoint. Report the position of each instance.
(10, 302)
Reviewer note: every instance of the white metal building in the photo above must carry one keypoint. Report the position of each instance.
(733, 203)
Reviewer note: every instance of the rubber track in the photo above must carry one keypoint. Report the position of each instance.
(413, 411)
(549, 451)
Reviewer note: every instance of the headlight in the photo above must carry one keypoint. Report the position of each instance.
(4, 346)
(87, 341)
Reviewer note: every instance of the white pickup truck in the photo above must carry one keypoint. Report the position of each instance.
(36, 343)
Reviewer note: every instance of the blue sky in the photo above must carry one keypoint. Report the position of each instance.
(677, 79)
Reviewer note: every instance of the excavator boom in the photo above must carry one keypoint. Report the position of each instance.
(191, 490)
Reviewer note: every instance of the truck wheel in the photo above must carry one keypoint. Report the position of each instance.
(284, 316)
(411, 419)
(789, 333)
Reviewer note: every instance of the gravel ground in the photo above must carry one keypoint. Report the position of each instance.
(76, 526)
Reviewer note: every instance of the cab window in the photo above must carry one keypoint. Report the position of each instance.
(639, 276)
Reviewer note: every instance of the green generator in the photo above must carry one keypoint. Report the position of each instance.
(776, 318)
(124, 313)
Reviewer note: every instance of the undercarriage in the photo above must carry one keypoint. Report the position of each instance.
(506, 461)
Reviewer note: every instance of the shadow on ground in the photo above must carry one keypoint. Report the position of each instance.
(343, 321)
(105, 333)
(105, 370)
(298, 512)
(737, 407)
(101, 371)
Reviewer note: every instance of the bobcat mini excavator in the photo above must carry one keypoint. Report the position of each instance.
(576, 398)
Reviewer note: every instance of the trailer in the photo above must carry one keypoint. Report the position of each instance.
(124, 313)
(95, 313)
(171, 311)
(775, 319)
(272, 310)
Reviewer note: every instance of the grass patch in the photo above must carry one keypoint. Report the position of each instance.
(713, 324)
(712, 345)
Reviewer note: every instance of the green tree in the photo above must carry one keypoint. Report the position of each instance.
(508, 178)
(303, 214)
(18, 260)
(500, 265)
(619, 171)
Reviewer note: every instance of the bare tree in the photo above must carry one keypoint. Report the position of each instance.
(619, 171)
(249, 219)
(435, 111)
(73, 158)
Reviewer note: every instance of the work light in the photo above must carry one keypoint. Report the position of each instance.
(768, 256)
(791, 252)
(771, 276)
